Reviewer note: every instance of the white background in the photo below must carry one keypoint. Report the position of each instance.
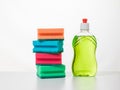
(19, 20)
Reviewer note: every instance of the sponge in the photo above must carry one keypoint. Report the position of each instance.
(46, 58)
(51, 75)
(51, 33)
(48, 43)
(50, 71)
(48, 46)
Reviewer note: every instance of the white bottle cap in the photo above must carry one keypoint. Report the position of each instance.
(84, 25)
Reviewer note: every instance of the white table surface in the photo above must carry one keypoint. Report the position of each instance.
(29, 81)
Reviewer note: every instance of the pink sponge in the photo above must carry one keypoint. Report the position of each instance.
(46, 58)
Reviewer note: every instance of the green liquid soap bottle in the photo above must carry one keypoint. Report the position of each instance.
(84, 46)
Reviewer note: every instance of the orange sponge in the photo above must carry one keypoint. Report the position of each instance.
(51, 33)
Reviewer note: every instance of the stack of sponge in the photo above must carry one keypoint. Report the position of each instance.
(48, 49)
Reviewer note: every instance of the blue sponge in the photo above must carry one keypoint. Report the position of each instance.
(48, 46)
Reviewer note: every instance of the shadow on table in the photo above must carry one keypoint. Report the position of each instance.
(84, 83)
(50, 84)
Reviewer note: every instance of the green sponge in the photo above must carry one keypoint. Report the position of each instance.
(50, 71)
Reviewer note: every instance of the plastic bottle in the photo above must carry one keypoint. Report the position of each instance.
(84, 46)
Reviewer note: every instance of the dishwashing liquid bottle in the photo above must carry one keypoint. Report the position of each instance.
(84, 46)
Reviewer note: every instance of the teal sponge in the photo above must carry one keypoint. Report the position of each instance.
(50, 71)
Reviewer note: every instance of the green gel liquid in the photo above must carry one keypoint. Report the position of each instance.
(84, 61)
